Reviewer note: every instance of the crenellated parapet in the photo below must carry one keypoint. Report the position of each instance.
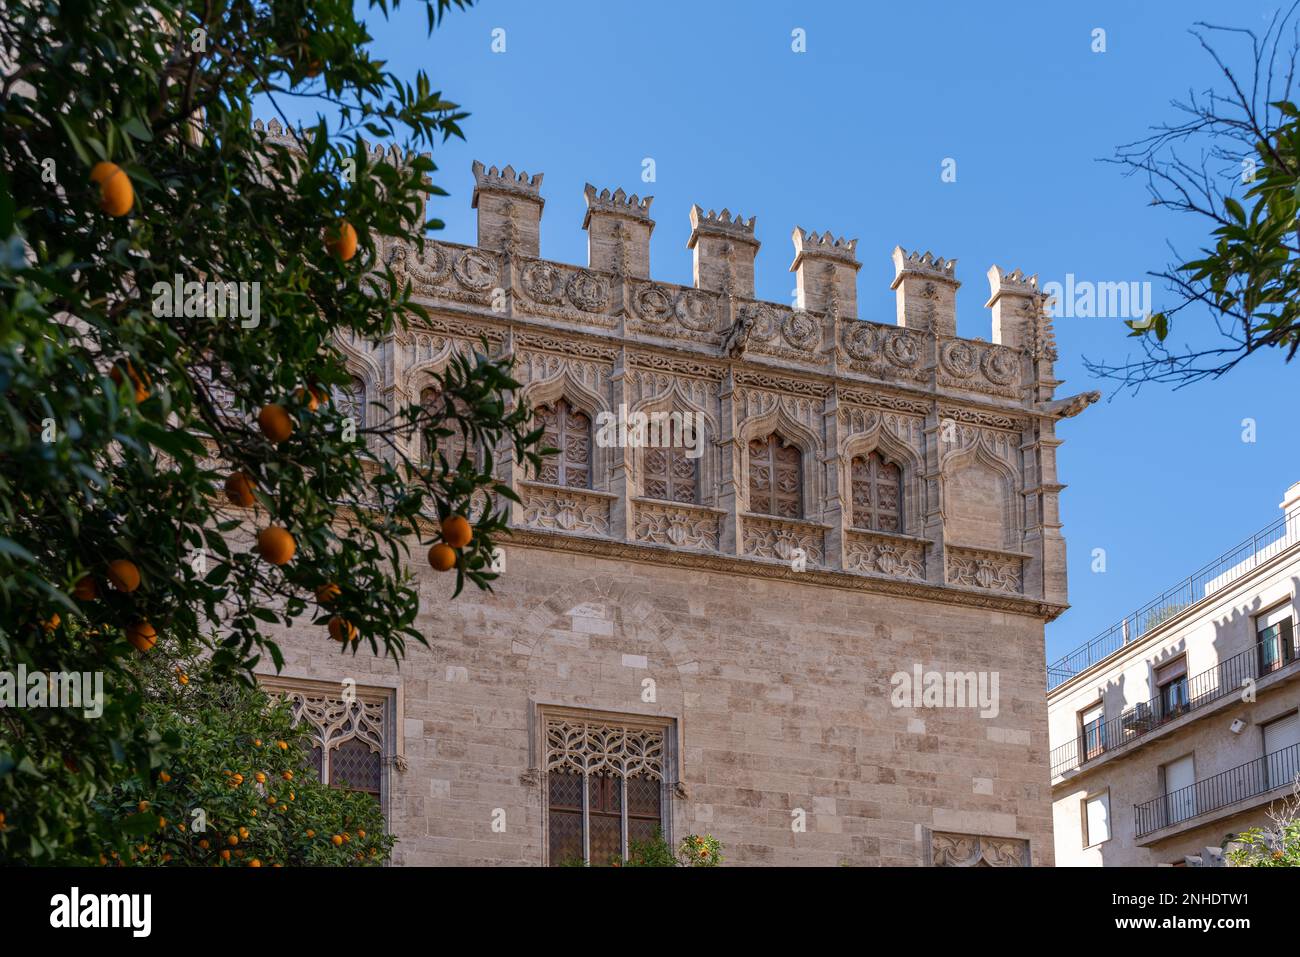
(618, 232)
(904, 456)
(509, 208)
(724, 247)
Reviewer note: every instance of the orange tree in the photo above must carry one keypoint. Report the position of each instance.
(234, 790)
(174, 482)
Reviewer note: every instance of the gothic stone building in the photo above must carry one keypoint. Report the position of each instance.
(708, 645)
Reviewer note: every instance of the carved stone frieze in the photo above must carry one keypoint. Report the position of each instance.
(982, 568)
(565, 509)
(972, 850)
(683, 526)
(766, 536)
(875, 554)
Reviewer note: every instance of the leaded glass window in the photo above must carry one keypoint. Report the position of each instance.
(346, 738)
(605, 789)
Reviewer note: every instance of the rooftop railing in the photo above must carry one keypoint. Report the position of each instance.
(1275, 538)
(1100, 737)
(1252, 779)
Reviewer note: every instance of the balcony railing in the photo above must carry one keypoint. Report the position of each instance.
(1254, 778)
(1225, 678)
(1250, 554)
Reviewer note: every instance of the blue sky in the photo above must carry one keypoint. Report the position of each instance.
(850, 136)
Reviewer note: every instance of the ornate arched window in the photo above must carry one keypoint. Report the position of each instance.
(775, 477)
(453, 447)
(877, 493)
(671, 475)
(569, 431)
(347, 738)
(605, 788)
(351, 400)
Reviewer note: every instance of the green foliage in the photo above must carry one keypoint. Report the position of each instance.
(238, 769)
(694, 850)
(1278, 846)
(1233, 160)
(95, 468)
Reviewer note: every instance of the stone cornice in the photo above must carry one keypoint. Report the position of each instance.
(769, 569)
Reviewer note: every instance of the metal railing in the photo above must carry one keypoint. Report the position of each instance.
(1269, 773)
(1225, 678)
(1201, 584)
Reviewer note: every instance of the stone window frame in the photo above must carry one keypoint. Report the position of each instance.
(870, 458)
(476, 455)
(1083, 811)
(783, 441)
(706, 465)
(541, 715)
(387, 697)
(578, 408)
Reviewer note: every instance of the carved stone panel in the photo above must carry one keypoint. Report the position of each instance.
(973, 850)
(980, 568)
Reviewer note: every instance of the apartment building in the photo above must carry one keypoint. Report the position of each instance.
(1177, 727)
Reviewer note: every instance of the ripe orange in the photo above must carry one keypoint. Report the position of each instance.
(237, 780)
(275, 423)
(309, 398)
(337, 840)
(164, 777)
(341, 629)
(282, 745)
(232, 840)
(310, 832)
(139, 382)
(51, 623)
(456, 531)
(141, 635)
(204, 843)
(85, 589)
(182, 677)
(327, 593)
(239, 489)
(287, 775)
(254, 863)
(257, 742)
(260, 777)
(276, 545)
(116, 194)
(142, 806)
(225, 855)
(123, 575)
(442, 557)
(271, 800)
(341, 240)
(361, 833)
(243, 832)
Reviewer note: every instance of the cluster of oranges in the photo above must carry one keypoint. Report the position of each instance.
(124, 577)
(456, 534)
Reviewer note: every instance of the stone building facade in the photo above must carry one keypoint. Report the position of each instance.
(711, 644)
(1178, 728)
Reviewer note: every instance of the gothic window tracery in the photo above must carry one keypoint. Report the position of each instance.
(351, 400)
(670, 474)
(605, 788)
(347, 738)
(569, 431)
(775, 481)
(877, 487)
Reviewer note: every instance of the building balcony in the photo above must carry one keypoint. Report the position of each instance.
(1098, 740)
(1219, 795)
